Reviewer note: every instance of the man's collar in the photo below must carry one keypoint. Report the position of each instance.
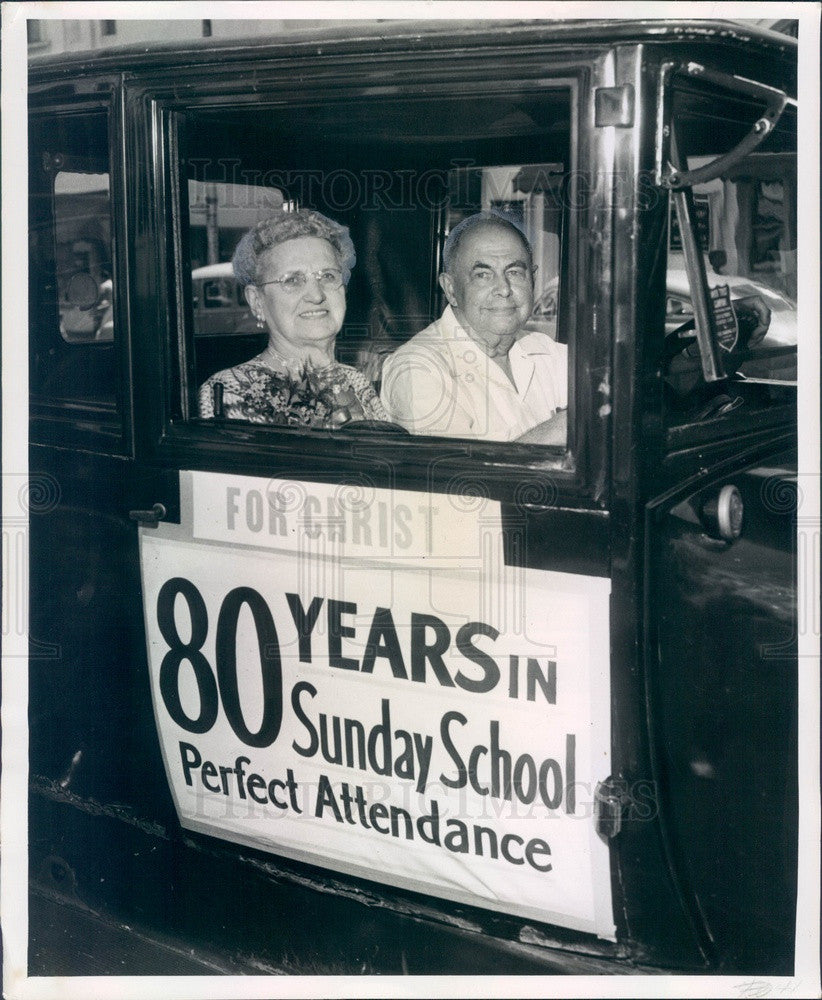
(532, 343)
(452, 328)
(522, 365)
(528, 342)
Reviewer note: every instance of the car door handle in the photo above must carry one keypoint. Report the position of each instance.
(150, 518)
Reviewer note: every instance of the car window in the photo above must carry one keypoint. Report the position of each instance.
(400, 174)
(745, 224)
(72, 320)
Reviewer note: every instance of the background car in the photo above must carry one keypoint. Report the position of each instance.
(679, 308)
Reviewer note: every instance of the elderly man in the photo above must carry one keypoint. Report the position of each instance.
(475, 372)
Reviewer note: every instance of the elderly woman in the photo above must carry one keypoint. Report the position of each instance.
(294, 267)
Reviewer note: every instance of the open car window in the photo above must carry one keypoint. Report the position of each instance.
(745, 224)
(400, 174)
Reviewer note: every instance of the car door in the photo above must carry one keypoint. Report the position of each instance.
(721, 517)
(380, 655)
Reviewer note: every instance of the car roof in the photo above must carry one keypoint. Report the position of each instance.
(221, 270)
(419, 34)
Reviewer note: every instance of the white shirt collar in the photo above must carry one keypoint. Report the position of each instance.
(467, 353)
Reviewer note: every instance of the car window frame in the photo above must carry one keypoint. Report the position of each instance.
(695, 430)
(174, 439)
(101, 427)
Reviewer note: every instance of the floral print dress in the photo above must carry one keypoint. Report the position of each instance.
(311, 397)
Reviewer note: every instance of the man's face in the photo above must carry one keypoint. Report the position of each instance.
(490, 286)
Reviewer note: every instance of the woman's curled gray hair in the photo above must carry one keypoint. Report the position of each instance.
(283, 226)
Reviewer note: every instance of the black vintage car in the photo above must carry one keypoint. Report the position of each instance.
(365, 702)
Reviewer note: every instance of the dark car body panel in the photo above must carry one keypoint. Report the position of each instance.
(703, 658)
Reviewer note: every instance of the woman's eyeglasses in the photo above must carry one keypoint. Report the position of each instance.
(329, 279)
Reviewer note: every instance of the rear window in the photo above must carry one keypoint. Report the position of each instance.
(72, 327)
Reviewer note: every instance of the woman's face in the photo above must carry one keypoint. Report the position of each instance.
(310, 317)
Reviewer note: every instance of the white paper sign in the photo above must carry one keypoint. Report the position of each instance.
(368, 687)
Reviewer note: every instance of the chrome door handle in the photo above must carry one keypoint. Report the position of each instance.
(150, 518)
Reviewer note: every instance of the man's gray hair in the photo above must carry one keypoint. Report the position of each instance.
(283, 226)
(455, 237)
